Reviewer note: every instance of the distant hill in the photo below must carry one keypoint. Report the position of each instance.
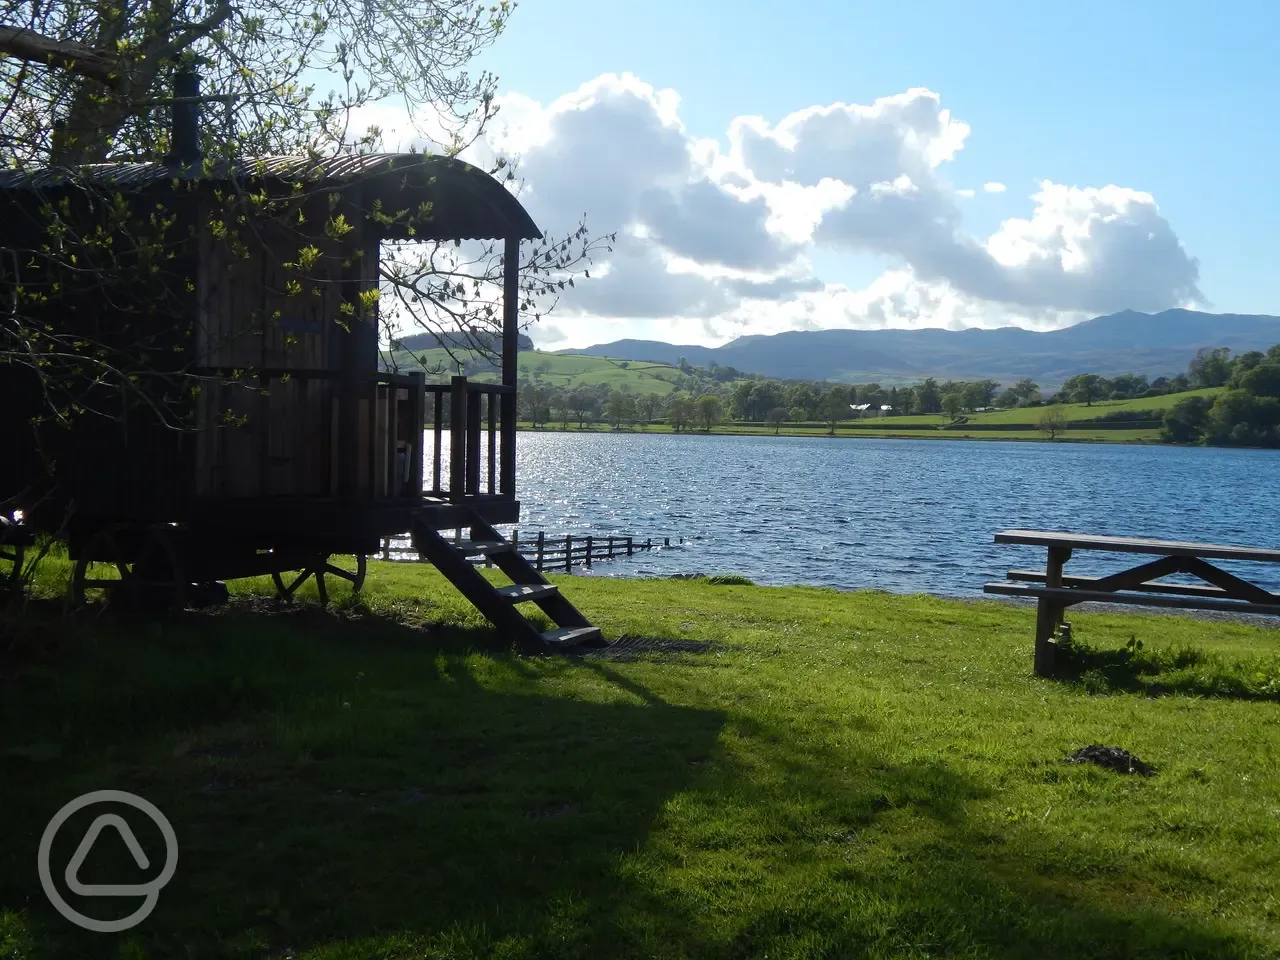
(1128, 342)
(552, 369)
(461, 341)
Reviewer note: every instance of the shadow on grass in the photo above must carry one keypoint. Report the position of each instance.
(837, 852)
(1185, 670)
(353, 787)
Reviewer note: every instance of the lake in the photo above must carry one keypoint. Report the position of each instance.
(900, 515)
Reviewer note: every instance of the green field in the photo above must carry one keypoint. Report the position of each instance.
(569, 371)
(639, 377)
(1075, 412)
(801, 773)
(992, 425)
(969, 432)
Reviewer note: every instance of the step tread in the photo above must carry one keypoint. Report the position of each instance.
(523, 592)
(571, 636)
(472, 547)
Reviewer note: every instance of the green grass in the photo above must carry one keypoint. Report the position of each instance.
(1074, 411)
(1082, 435)
(833, 775)
(569, 371)
(640, 377)
(979, 426)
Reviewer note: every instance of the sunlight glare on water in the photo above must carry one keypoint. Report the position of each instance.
(898, 515)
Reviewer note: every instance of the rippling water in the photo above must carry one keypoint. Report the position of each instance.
(898, 515)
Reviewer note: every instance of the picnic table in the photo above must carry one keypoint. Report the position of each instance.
(1138, 585)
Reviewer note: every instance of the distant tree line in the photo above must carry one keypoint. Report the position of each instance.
(706, 396)
(540, 403)
(1246, 413)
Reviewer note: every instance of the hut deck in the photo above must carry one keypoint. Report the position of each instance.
(296, 518)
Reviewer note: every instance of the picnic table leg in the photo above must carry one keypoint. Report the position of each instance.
(1049, 613)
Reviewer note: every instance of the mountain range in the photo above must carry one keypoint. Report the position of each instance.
(1159, 344)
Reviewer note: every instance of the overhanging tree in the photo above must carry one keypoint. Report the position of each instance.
(89, 83)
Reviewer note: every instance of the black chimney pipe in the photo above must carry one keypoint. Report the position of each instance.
(184, 118)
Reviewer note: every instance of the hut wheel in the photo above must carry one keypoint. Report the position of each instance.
(320, 567)
(11, 557)
(130, 565)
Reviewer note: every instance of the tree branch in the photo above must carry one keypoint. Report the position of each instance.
(75, 57)
(197, 31)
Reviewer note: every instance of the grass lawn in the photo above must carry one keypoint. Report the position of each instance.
(976, 426)
(819, 775)
(1075, 412)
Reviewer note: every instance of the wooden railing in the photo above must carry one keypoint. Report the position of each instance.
(280, 432)
(480, 419)
(323, 433)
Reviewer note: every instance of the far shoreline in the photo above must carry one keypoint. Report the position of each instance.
(1011, 436)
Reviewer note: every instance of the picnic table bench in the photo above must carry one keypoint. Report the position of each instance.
(1136, 586)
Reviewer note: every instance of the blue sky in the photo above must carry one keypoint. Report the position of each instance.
(1172, 99)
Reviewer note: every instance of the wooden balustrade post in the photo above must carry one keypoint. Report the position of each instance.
(437, 417)
(418, 426)
(510, 360)
(542, 534)
(507, 447)
(568, 553)
(628, 546)
(474, 423)
(457, 438)
(588, 550)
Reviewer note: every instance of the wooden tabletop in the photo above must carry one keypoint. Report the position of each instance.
(1168, 548)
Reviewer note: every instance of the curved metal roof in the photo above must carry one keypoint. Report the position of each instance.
(465, 202)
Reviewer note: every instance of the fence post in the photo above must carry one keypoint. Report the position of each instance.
(542, 535)
(588, 550)
(568, 553)
(611, 546)
(386, 549)
(515, 539)
(666, 541)
(629, 546)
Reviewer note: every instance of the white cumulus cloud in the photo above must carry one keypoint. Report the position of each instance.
(715, 237)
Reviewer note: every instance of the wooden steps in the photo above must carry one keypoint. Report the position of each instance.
(571, 636)
(526, 592)
(480, 548)
(500, 604)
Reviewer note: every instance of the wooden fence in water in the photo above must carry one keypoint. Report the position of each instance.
(552, 553)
